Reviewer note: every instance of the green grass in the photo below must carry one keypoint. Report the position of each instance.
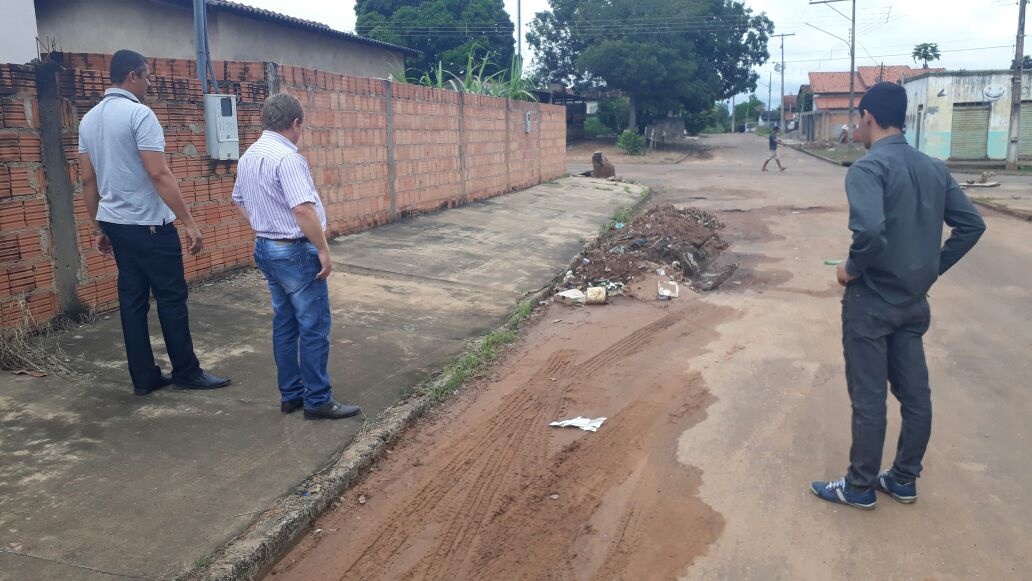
(204, 561)
(621, 214)
(470, 364)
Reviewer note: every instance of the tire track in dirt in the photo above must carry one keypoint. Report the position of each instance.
(483, 507)
(473, 465)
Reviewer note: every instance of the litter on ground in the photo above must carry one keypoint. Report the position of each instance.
(586, 424)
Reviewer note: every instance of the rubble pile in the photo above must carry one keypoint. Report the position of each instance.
(681, 245)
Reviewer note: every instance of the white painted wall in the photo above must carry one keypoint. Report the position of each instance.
(160, 30)
(17, 31)
(938, 92)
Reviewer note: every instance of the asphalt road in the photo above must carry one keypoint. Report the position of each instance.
(782, 414)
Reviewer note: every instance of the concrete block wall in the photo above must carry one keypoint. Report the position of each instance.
(377, 151)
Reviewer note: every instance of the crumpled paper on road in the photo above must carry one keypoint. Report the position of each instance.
(587, 424)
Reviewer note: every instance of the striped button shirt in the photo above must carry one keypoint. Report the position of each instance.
(272, 179)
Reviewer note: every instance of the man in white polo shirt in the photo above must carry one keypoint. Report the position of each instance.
(132, 198)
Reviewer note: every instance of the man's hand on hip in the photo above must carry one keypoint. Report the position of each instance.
(326, 262)
(843, 277)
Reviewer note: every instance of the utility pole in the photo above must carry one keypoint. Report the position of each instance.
(1019, 71)
(519, 30)
(732, 114)
(770, 81)
(782, 36)
(852, 62)
(852, 78)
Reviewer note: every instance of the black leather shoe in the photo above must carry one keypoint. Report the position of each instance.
(203, 380)
(291, 406)
(165, 381)
(332, 411)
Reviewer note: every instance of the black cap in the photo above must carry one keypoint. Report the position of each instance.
(887, 102)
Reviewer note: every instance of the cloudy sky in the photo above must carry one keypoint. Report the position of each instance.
(972, 34)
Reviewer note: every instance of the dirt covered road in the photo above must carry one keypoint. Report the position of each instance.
(721, 408)
(485, 489)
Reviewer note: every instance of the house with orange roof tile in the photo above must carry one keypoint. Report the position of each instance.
(831, 97)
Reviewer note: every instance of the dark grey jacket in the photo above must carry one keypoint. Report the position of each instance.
(899, 199)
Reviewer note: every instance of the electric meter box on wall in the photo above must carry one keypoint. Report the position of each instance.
(220, 127)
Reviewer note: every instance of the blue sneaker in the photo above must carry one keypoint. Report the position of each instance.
(839, 492)
(905, 493)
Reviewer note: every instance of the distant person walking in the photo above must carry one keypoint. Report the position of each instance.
(275, 191)
(132, 198)
(773, 141)
(899, 199)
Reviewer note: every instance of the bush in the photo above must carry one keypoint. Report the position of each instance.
(594, 128)
(631, 143)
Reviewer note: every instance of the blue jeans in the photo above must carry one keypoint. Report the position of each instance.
(301, 324)
(884, 347)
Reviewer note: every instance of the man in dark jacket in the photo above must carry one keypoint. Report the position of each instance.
(899, 199)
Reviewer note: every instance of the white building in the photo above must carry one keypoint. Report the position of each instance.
(965, 115)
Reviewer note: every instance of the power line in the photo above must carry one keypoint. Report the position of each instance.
(902, 54)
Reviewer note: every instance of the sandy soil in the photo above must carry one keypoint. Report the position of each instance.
(486, 489)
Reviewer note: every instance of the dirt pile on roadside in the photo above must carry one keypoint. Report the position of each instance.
(684, 243)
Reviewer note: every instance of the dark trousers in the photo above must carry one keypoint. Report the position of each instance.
(151, 259)
(883, 345)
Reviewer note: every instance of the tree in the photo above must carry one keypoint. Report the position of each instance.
(716, 120)
(612, 112)
(926, 51)
(748, 111)
(657, 52)
(1026, 63)
(446, 31)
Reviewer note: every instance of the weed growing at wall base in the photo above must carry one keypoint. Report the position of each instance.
(474, 361)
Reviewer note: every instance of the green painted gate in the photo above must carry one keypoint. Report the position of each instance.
(1025, 134)
(970, 133)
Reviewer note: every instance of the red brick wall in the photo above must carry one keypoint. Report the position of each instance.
(26, 266)
(345, 142)
(207, 185)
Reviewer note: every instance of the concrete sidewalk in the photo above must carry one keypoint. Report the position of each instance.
(96, 482)
(1013, 196)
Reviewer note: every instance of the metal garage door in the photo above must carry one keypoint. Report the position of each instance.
(970, 138)
(1025, 136)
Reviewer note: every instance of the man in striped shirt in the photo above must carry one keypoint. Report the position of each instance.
(275, 191)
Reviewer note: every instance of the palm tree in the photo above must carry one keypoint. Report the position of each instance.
(926, 51)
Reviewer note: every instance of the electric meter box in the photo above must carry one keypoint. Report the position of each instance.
(220, 127)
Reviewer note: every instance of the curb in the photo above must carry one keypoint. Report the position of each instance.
(1019, 214)
(822, 158)
(277, 529)
(252, 553)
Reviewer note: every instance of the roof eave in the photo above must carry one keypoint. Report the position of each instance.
(283, 19)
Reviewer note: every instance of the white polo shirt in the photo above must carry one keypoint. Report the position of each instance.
(113, 134)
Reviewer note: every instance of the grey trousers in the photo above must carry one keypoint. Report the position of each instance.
(883, 346)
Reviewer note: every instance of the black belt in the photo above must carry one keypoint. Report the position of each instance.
(301, 240)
